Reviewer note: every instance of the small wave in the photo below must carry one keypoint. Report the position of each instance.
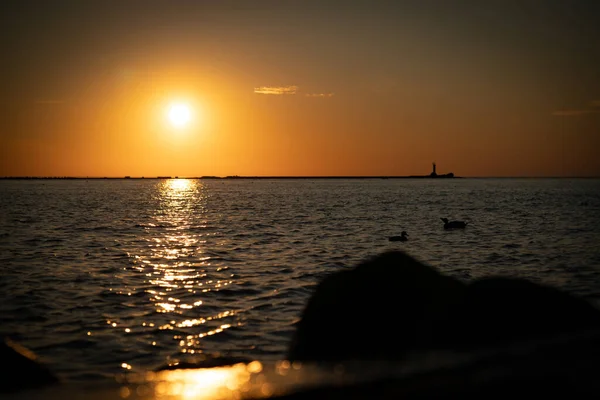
(152, 226)
(234, 292)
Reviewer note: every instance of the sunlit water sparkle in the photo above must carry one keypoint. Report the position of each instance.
(105, 276)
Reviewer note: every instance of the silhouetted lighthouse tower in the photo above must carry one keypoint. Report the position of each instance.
(433, 173)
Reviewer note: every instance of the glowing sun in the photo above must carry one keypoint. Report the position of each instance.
(179, 114)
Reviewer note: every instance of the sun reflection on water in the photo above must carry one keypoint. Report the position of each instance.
(178, 203)
(231, 382)
(177, 272)
(178, 186)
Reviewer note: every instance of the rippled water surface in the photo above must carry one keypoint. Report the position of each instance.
(100, 276)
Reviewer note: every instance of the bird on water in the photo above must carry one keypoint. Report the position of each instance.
(401, 238)
(454, 224)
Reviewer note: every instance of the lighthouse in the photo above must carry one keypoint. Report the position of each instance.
(433, 173)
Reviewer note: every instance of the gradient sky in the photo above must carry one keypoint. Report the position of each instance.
(483, 88)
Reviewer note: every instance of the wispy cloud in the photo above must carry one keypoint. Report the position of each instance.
(293, 89)
(277, 90)
(572, 113)
(592, 108)
(322, 95)
(49, 101)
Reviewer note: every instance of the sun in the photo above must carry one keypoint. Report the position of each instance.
(179, 114)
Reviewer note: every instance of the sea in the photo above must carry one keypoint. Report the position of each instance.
(101, 277)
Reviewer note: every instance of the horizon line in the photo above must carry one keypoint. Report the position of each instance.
(442, 176)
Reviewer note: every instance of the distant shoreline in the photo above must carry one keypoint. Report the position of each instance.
(287, 177)
(228, 177)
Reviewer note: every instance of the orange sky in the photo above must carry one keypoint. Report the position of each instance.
(300, 88)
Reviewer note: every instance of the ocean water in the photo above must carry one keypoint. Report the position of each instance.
(101, 277)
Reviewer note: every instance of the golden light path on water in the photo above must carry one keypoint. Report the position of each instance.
(252, 380)
(177, 271)
(231, 382)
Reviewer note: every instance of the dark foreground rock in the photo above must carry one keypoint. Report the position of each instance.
(392, 306)
(21, 370)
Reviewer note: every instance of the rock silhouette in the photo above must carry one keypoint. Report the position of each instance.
(22, 371)
(393, 306)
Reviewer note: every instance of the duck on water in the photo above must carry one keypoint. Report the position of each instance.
(401, 238)
(454, 224)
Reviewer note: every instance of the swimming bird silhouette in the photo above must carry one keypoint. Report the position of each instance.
(454, 224)
(401, 238)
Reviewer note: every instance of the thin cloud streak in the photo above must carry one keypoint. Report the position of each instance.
(321, 95)
(276, 90)
(593, 108)
(572, 113)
